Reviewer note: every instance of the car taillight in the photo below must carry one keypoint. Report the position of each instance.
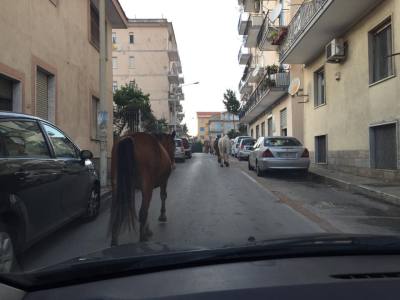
(305, 153)
(267, 153)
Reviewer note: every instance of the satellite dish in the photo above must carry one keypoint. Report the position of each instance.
(294, 86)
(276, 12)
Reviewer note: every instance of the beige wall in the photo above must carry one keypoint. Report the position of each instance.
(352, 105)
(151, 65)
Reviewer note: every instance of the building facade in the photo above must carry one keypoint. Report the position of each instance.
(351, 107)
(147, 53)
(51, 67)
(267, 108)
(203, 119)
(221, 124)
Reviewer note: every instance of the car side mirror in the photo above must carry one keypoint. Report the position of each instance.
(86, 154)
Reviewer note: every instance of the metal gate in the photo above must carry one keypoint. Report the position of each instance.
(42, 95)
(384, 148)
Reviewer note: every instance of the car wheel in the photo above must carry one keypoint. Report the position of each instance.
(93, 205)
(258, 170)
(7, 251)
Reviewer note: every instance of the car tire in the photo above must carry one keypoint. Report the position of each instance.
(8, 258)
(93, 205)
(258, 171)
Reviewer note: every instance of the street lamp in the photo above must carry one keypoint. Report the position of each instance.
(178, 99)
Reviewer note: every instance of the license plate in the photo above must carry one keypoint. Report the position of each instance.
(287, 155)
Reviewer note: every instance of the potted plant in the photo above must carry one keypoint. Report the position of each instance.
(280, 36)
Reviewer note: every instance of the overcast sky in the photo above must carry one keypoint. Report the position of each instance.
(208, 43)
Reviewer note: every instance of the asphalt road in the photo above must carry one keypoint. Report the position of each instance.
(210, 206)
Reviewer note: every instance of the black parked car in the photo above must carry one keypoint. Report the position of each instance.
(45, 182)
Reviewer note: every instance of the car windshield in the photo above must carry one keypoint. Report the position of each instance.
(281, 142)
(190, 126)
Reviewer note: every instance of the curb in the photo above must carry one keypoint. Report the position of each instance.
(360, 189)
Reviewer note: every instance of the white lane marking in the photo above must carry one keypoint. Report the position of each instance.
(249, 177)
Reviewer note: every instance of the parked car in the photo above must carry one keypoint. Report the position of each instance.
(179, 150)
(278, 153)
(236, 142)
(188, 148)
(45, 182)
(245, 148)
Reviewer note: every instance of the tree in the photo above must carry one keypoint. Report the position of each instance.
(185, 129)
(233, 133)
(129, 103)
(242, 129)
(231, 103)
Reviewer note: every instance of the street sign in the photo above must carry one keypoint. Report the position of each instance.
(102, 119)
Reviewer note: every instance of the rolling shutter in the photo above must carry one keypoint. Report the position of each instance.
(42, 95)
(283, 118)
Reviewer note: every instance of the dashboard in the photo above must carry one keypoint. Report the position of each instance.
(340, 277)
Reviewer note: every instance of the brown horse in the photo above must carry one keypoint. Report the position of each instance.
(140, 161)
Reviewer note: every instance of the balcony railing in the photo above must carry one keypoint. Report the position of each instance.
(270, 81)
(244, 55)
(271, 33)
(304, 15)
(242, 25)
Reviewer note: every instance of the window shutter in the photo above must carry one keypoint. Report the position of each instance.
(284, 118)
(42, 95)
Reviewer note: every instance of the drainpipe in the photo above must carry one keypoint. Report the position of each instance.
(103, 94)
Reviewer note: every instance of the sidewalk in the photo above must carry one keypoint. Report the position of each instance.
(370, 187)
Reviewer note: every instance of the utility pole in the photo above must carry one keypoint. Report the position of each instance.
(103, 114)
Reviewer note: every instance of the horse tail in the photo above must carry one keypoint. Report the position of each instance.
(123, 211)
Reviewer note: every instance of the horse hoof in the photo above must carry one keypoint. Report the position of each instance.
(162, 219)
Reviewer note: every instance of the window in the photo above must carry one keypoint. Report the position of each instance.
(94, 25)
(114, 86)
(257, 131)
(252, 133)
(202, 129)
(114, 63)
(6, 94)
(283, 116)
(319, 87)
(380, 51)
(270, 131)
(131, 62)
(22, 139)
(45, 95)
(263, 129)
(384, 147)
(63, 147)
(321, 150)
(114, 37)
(282, 142)
(131, 83)
(131, 38)
(94, 117)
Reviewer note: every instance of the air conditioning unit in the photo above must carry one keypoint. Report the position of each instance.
(335, 51)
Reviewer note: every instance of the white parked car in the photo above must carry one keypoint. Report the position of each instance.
(179, 150)
(236, 142)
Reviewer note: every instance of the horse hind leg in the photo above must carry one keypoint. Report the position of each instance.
(145, 231)
(163, 196)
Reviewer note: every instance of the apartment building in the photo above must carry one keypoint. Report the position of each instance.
(147, 53)
(220, 124)
(49, 63)
(349, 50)
(203, 119)
(267, 108)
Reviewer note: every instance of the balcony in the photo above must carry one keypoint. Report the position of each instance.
(173, 77)
(244, 55)
(272, 33)
(252, 30)
(316, 23)
(245, 88)
(270, 89)
(250, 5)
(181, 80)
(257, 74)
(173, 55)
(243, 21)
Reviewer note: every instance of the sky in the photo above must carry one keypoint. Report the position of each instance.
(208, 44)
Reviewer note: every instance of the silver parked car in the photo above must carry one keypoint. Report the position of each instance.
(179, 150)
(245, 148)
(236, 143)
(278, 153)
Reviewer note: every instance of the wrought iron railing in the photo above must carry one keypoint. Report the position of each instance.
(304, 15)
(270, 81)
(268, 28)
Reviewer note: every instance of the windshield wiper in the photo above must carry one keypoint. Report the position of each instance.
(97, 267)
